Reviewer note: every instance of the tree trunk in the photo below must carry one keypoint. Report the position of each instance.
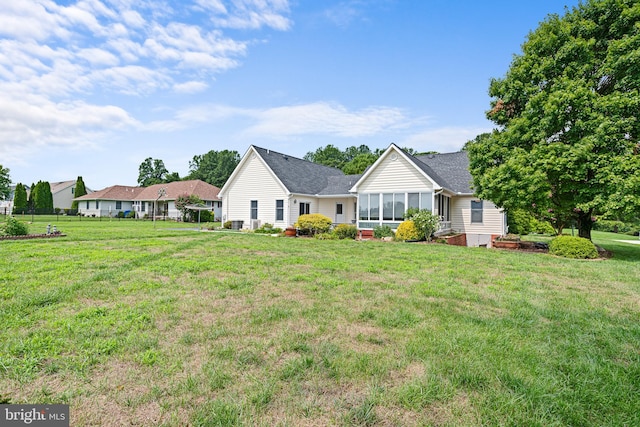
(585, 224)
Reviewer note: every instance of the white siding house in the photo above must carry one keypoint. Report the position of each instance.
(272, 187)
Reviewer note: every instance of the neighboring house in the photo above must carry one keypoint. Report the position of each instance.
(63, 193)
(276, 188)
(142, 200)
(108, 201)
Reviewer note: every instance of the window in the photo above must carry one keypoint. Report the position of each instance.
(304, 208)
(476, 211)
(143, 205)
(339, 209)
(426, 201)
(387, 207)
(413, 201)
(279, 210)
(97, 204)
(118, 205)
(254, 209)
(73, 190)
(398, 206)
(87, 204)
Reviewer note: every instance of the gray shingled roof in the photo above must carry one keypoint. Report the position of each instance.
(451, 170)
(301, 176)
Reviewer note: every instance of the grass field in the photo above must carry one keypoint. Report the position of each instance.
(132, 323)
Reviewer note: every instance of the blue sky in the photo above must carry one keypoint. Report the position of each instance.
(91, 88)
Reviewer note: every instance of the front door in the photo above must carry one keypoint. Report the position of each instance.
(339, 213)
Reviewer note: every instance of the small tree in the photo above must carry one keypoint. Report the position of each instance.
(426, 222)
(5, 183)
(183, 201)
(80, 190)
(20, 201)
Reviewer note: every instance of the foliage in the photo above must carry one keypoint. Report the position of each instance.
(79, 190)
(205, 216)
(359, 164)
(425, 221)
(131, 214)
(567, 144)
(380, 231)
(153, 171)
(42, 198)
(13, 227)
(268, 229)
(326, 236)
(523, 222)
(182, 201)
(345, 231)
(227, 225)
(5, 183)
(616, 226)
(573, 247)
(214, 167)
(353, 160)
(328, 156)
(407, 230)
(313, 223)
(20, 200)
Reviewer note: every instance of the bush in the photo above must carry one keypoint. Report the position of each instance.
(227, 225)
(573, 247)
(131, 214)
(313, 223)
(326, 236)
(120, 214)
(407, 230)
(205, 216)
(522, 222)
(345, 231)
(13, 227)
(426, 222)
(267, 229)
(612, 226)
(380, 231)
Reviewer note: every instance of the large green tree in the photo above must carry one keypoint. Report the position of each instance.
(214, 167)
(5, 183)
(566, 145)
(20, 201)
(152, 171)
(80, 190)
(328, 156)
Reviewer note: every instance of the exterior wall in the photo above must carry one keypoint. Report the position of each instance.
(327, 207)
(255, 182)
(103, 208)
(64, 198)
(395, 175)
(493, 221)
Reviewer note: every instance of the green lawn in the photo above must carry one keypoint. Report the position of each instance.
(133, 323)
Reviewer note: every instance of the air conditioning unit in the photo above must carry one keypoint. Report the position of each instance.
(255, 224)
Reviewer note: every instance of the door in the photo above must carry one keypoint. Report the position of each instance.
(339, 213)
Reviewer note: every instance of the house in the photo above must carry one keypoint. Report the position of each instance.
(63, 193)
(267, 186)
(274, 188)
(143, 200)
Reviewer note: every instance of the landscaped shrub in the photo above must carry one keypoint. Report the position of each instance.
(573, 247)
(120, 214)
(407, 230)
(380, 231)
(345, 231)
(326, 236)
(205, 216)
(13, 227)
(131, 214)
(426, 222)
(522, 222)
(227, 225)
(612, 226)
(268, 229)
(313, 223)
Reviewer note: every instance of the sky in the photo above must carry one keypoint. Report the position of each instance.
(92, 88)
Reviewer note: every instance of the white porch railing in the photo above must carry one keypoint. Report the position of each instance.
(444, 226)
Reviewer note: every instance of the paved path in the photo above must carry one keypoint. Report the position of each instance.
(633, 242)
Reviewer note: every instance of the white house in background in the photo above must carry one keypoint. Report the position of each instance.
(63, 193)
(142, 200)
(270, 187)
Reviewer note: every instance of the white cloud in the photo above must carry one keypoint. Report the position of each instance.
(252, 14)
(190, 87)
(443, 140)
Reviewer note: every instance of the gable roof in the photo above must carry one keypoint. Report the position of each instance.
(57, 187)
(451, 170)
(175, 189)
(115, 192)
(302, 176)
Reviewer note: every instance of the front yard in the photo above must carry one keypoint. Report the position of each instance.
(132, 325)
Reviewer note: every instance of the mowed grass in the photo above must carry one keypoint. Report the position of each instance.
(135, 325)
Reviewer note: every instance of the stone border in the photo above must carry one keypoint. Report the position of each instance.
(33, 236)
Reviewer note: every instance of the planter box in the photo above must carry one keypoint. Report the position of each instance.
(506, 244)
